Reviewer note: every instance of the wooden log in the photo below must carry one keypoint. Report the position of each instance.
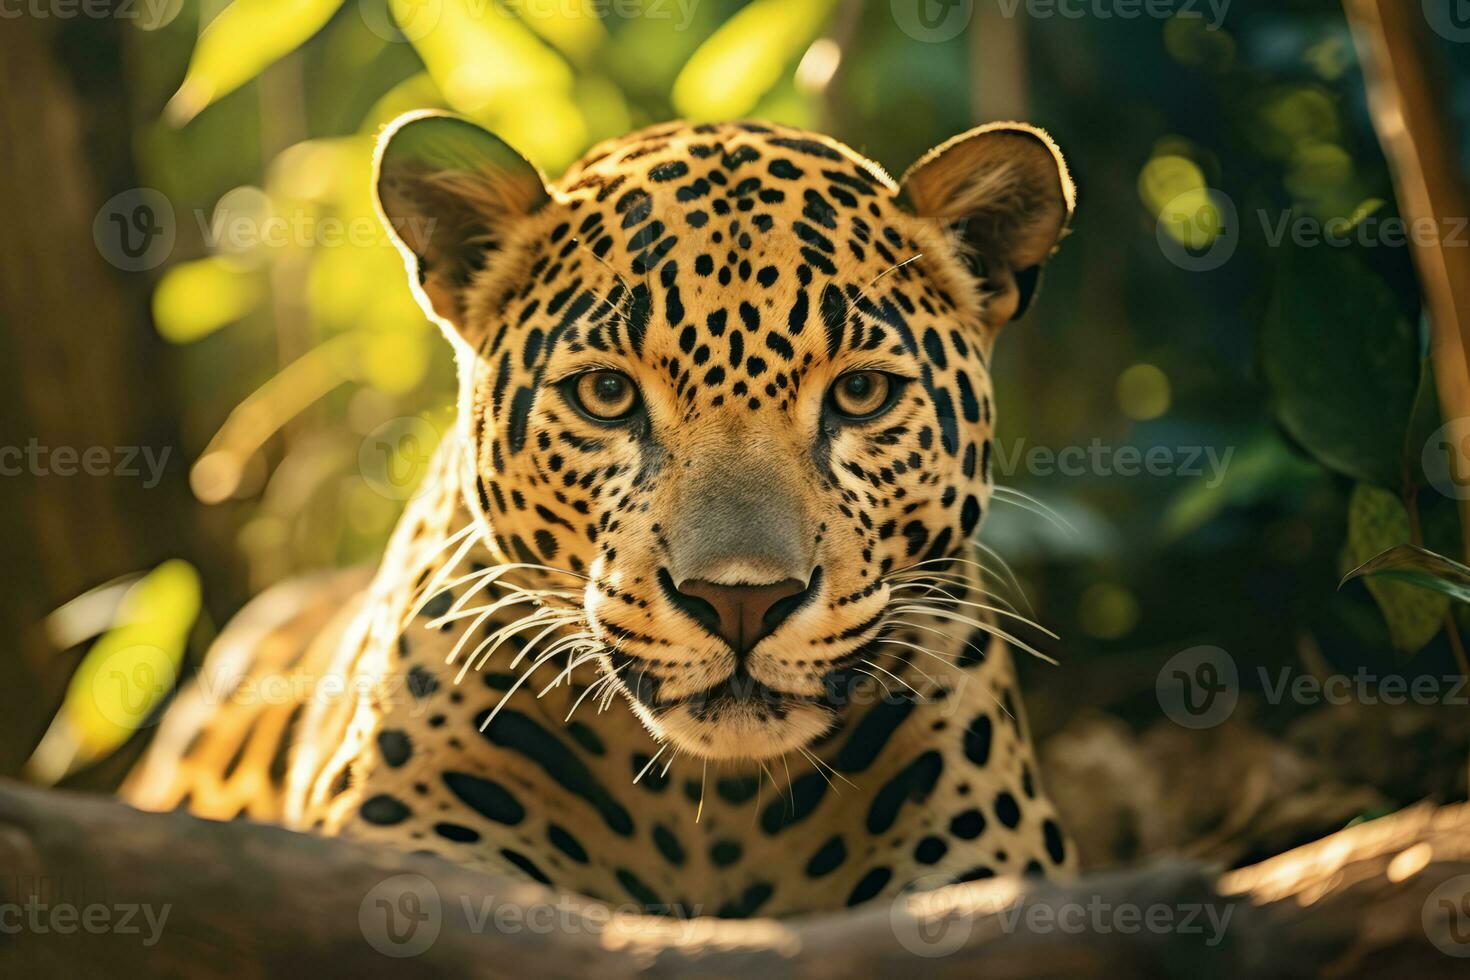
(172, 895)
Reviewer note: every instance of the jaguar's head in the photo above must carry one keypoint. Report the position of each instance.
(732, 375)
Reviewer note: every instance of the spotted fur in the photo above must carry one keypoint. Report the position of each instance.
(530, 693)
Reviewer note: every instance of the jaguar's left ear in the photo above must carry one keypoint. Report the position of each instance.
(452, 196)
(1002, 199)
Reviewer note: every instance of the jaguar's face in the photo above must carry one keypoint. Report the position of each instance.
(735, 380)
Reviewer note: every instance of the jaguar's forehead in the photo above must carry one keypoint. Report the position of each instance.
(740, 236)
(677, 191)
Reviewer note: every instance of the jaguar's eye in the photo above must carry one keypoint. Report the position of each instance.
(860, 395)
(605, 395)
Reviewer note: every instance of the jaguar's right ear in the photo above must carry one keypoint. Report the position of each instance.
(451, 194)
(1004, 194)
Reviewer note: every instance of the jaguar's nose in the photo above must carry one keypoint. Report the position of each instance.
(741, 615)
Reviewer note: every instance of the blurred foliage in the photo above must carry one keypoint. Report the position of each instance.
(1418, 567)
(1183, 313)
(126, 674)
(1378, 521)
(1343, 363)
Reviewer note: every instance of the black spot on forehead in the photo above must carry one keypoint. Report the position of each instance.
(672, 170)
(808, 147)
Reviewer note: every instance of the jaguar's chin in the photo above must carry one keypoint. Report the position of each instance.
(738, 718)
(736, 729)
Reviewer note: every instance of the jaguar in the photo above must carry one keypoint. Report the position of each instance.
(688, 612)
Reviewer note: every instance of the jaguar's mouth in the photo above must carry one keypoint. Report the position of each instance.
(743, 725)
(739, 689)
(739, 717)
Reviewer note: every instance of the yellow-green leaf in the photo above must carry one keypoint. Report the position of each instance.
(246, 38)
(573, 27)
(480, 57)
(1377, 521)
(742, 60)
(491, 67)
(125, 674)
(194, 299)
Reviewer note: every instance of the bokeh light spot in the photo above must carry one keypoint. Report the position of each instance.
(1107, 611)
(1143, 392)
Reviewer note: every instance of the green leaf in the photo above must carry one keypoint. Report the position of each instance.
(124, 675)
(1378, 523)
(1419, 567)
(246, 38)
(1262, 467)
(1342, 363)
(744, 59)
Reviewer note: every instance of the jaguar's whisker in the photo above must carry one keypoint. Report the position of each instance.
(492, 575)
(1012, 580)
(892, 269)
(1000, 612)
(482, 611)
(556, 624)
(478, 659)
(819, 764)
(470, 529)
(519, 681)
(434, 585)
(588, 653)
(606, 265)
(608, 680)
(942, 658)
(887, 693)
(990, 628)
(908, 662)
(893, 675)
(649, 764)
(931, 588)
(1026, 502)
(936, 632)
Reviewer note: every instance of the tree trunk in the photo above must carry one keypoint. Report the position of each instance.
(1405, 94)
(80, 366)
